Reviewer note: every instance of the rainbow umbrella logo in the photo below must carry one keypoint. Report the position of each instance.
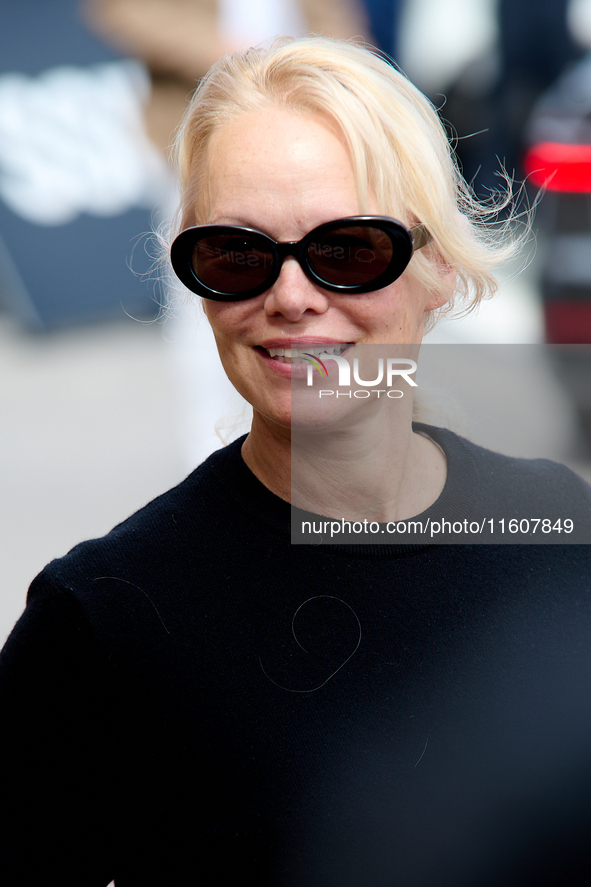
(315, 361)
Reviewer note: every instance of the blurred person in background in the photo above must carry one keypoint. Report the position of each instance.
(384, 18)
(179, 40)
(490, 100)
(193, 697)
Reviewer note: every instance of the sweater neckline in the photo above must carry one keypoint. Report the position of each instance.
(247, 493)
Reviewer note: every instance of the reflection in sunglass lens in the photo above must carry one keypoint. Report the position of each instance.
(350, 256)
(230, 263)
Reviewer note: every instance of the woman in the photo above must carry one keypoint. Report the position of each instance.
(193, 699)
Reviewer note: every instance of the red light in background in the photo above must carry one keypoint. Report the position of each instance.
(559, 167)
(568, 322)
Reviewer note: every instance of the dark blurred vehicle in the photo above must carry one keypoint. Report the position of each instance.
(558, 159)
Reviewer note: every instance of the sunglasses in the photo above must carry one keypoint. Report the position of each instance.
(359, 254)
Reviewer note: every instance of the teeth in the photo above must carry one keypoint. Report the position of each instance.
(294, 355)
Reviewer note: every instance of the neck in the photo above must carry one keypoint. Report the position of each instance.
(375, 469)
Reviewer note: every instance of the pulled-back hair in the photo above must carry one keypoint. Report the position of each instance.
(399, 150)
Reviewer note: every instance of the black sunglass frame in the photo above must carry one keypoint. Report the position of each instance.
(404, 243)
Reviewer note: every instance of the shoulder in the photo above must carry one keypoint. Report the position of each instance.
(493, 485)
(138, 552)
(164, 521)
(138, 580)
(497, 467)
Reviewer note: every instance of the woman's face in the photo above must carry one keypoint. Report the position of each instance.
(284, 173)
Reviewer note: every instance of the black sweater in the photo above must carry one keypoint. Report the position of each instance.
(192, 700)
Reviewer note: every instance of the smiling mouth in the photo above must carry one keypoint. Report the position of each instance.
(298, 355)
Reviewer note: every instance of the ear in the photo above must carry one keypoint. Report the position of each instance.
(447, 281)
(444, 292)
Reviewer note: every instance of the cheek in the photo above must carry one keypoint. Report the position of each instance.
(392, 310)
(231, 323)
(223, 320)
(410, 302)
(211, 319)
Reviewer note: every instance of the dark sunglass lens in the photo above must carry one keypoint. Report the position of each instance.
(232, 263)
(350, 255)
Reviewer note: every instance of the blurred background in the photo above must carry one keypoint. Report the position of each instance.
(109, 395)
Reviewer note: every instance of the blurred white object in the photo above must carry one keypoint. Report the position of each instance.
(210, 412)
(72, 140)
(256, 20)
(439, 38)
(579, 21)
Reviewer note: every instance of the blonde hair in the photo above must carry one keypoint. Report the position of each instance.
(399, 149)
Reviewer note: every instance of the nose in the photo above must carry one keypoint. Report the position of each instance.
(293, 295)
